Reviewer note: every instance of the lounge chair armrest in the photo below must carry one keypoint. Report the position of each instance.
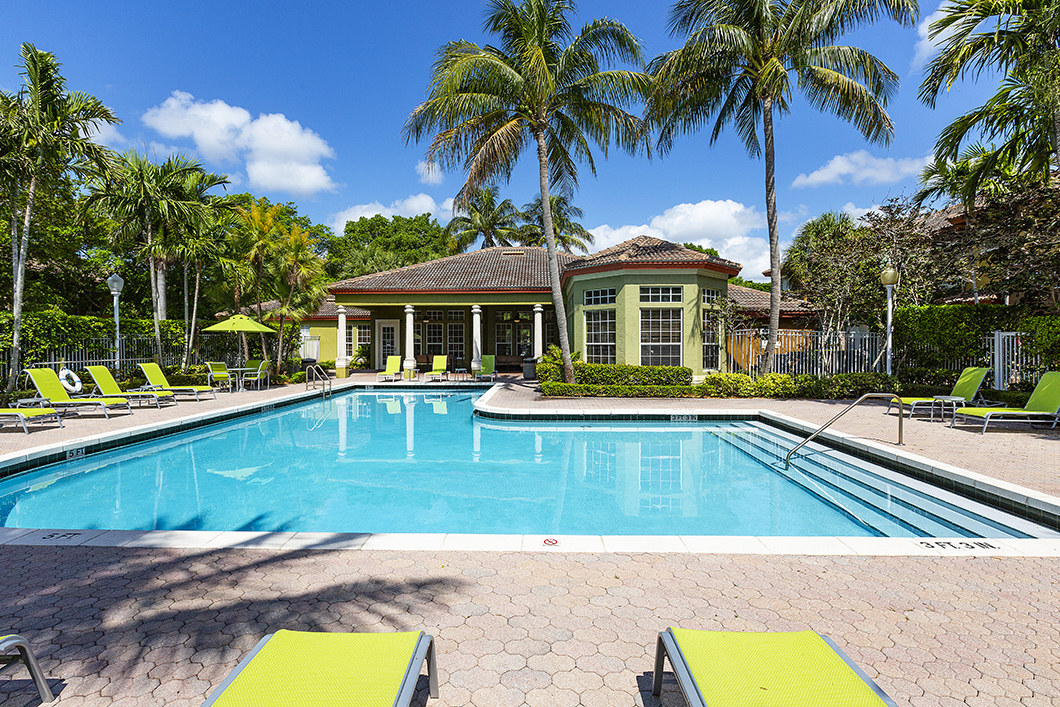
(990, 404)
(31, 402)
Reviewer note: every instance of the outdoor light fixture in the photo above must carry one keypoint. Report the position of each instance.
(888, 278)
(114, 284)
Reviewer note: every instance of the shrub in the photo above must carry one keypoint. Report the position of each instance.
(726, 385)
(327, 365)
(575, 390)
(617, 374)
(297, 377)
(938, 332)
(1045, 339)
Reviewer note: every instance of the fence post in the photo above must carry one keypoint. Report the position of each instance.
(997, 358)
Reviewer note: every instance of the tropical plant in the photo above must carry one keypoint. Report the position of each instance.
(148, 200)
(45, 132)
(1021, 39)
(570, 235)
(480, 214)
(298, 266)
(736, 67)
(543, 86)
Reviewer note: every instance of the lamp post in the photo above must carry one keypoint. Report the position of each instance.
(888, 278)
(115, 283)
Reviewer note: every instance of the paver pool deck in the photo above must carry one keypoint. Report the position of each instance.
(163, 626)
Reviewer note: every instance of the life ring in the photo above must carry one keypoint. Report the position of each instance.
(70, 380)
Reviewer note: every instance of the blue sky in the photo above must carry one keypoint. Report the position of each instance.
(306, 103)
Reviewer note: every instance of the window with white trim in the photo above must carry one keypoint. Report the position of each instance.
(600, 336)
(711, 341)
(711, 296)
(456, 342)
(435, 315)
(357, 335)
(661, 294)
(456, 315)
(600, 296)
(660, 337)
(434, 339)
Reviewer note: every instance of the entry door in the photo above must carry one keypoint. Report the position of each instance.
(386, 340)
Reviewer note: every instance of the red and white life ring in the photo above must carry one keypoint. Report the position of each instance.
(70, 380)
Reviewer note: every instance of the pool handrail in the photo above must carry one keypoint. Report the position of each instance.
(848, 408)
(315, 372)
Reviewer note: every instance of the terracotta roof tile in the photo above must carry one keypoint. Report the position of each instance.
(748, 299)
(647, 250)
(328, 310)
(519, 268)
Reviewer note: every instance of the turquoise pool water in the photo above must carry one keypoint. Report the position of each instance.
(415, 463)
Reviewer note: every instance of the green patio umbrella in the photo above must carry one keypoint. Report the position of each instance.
(240, 322)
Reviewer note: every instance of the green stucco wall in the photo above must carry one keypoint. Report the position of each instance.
(627, 284)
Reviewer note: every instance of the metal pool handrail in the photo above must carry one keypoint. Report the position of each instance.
(848, 408)
(314, 373)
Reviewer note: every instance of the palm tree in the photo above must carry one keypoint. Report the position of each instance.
(1021, 39)
(44, 132)
(298, 265)
(480, 214)
(542, 86)
(570, 235)
(146, 199)
(737, 66)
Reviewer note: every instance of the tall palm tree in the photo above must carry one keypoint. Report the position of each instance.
(481, 214)
(145, 199)
(44, 131)
(298, 265)
(1020, 38)
(570, 235)
(543, 86)
(737, 68)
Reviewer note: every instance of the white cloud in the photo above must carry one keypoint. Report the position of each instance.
(413, 205)
(429, 173)
(861, 167)
(279, 154)
(108, 135)
(724, 225)
(798, 214)
(857, 211)
(925, 46)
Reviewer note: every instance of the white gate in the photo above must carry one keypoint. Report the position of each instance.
(1012, 362)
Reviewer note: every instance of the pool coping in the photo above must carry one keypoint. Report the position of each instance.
(918, 467)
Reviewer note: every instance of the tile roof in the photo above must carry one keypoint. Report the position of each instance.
(487, 269)
(328, 310)
(754, 301)
(644, 250)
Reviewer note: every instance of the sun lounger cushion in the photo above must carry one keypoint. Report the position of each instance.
(794, 669)
(298, 668)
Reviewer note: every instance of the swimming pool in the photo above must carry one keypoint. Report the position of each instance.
(407, 462)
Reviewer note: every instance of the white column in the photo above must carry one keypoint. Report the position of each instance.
(410, 345)
(342, 361)
(539, 331)
(476, 338)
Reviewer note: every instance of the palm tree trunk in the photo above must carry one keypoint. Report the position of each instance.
(20, 285)
(553, 260)
(774, 238)
(152, 276)
(163, 304)
(190, 327)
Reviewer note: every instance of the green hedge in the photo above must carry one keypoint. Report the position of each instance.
(739, 385)
(939, 332)
(1045, 339)
(617, 374)
(52, 329)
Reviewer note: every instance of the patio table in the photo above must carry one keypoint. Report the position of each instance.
(239, 373)
(954, 401)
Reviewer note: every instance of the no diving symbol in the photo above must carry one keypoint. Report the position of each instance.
(550, 541)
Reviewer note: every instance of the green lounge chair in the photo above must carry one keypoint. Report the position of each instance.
(438, 370)
(1043, 405)
(299, 668)
(15, 649)
(489, 368)
(106, 386)
(218, 371)
(967, 387)
(393, 369)
(156, 380)
(20, 415)
(54, 395)
(795, 669)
